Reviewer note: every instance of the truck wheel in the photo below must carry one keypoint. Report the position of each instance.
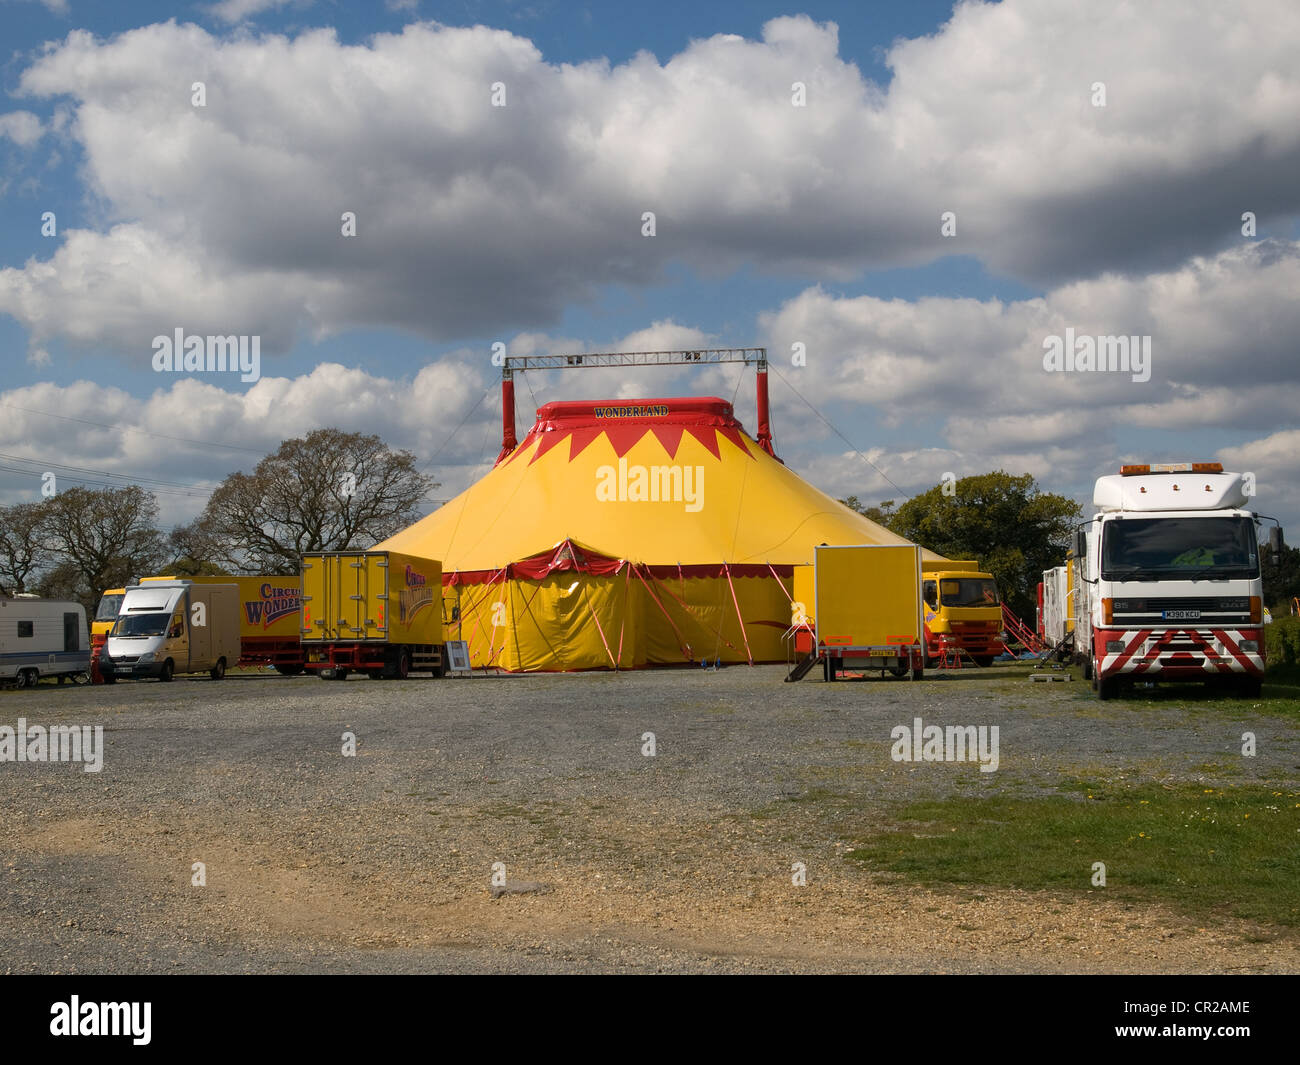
(1107, 687)
(983, 661)
(219, 670)
(403, 664)
(168, 671)
(23, 679)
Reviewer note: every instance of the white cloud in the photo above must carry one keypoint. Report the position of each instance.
(473, 218)
(232, 11)
(21, 127)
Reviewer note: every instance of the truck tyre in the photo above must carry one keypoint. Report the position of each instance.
(167, 672)
(1107, 687)
(219, 670)
(403, 664)
(23, 679)
(983, 661)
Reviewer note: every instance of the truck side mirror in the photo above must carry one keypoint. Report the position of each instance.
(1275, 544)
(1080, 543)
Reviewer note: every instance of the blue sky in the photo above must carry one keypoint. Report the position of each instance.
(777, 224)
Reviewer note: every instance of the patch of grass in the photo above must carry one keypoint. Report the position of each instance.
(1207, 852)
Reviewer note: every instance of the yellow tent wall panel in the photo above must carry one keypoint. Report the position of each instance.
(868, 596)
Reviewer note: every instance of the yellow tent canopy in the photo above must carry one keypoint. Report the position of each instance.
(622, 535)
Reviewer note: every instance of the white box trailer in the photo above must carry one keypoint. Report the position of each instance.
(1058, 610)
(42, 638)
(169, 627)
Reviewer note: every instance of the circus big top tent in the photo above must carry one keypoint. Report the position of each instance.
(622, 535)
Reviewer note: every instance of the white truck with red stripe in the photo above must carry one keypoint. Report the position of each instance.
(1168, 580)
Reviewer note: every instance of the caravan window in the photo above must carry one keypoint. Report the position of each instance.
(25, 629)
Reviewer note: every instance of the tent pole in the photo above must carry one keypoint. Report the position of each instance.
(736, 602)
(508, 441)
(764, 410)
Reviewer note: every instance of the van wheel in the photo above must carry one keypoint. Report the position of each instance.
(219, 670)
(168, 671)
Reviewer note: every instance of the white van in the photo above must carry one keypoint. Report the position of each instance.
(169, 627)
(42, 638)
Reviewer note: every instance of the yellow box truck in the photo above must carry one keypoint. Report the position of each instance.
(867, 608)
(372, 612)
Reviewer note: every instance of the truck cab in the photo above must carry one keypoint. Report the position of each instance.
(963, 611)
(1168, 580)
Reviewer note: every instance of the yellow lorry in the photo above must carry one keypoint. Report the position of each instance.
(372, 612)
(963, 611)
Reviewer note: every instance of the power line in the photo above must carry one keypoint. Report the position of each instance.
(833, 429)
(134, 429)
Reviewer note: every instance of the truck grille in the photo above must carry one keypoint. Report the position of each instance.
(1221, 610)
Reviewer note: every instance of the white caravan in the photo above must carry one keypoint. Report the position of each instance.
(42, 638)
(169, 627)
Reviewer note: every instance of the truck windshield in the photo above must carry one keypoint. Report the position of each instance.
(141, 625)
(107, 609)
(968, 591)
(1179, 548)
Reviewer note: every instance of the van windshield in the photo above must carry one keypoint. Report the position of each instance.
(108, 605)
(141, 625)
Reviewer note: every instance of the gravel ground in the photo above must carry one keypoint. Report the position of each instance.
(681, 862)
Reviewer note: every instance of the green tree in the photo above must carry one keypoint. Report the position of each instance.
(1007, 523)
(1281, 579)
(881, 515)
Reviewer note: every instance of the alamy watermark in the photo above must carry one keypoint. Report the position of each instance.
(651, 484)
(208, 354)
(58, 743)
(1113, 354)
(954, 743)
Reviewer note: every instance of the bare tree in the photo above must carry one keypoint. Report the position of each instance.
(328, 491)
(23, 550)
(107, 534)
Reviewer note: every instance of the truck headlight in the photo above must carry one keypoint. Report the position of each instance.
(1252, 646)
(1114, 647)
